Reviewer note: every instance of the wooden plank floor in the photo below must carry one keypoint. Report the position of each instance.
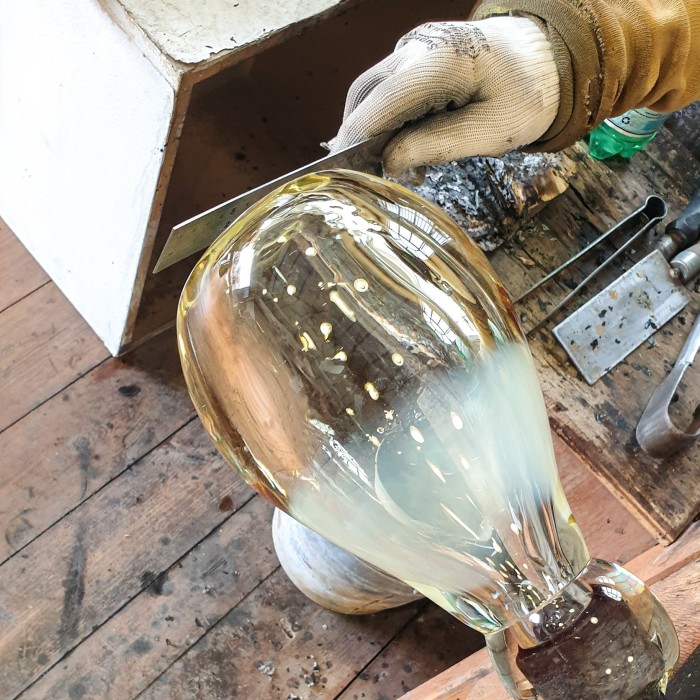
(134, 563)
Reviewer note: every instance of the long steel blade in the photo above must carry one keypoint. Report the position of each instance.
(201, 231)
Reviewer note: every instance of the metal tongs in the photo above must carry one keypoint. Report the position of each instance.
(653, 210)
(656, 433)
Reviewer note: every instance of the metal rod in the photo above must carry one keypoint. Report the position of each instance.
(650, 205)
(654, 209)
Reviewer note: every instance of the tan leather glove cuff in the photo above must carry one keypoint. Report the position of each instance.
(576, 53)
(612, 56)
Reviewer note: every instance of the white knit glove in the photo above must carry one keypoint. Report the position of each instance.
(466, 88)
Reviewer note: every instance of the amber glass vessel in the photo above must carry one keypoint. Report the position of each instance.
(354, 356)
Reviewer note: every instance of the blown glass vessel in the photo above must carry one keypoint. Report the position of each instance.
(354, 356)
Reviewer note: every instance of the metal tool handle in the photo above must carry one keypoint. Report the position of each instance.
(686, 264)
(654, 208)
(656, 433)
(691, 346)
(684, 231)
(650, 206)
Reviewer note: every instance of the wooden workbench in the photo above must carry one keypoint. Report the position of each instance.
(598, 422)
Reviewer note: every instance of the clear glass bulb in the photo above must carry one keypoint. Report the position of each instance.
(354, 356)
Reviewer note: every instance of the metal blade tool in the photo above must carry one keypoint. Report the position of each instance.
(616, 321)
(201, 231)
(656, 433)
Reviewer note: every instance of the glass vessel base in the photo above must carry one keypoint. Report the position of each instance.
(604, 637)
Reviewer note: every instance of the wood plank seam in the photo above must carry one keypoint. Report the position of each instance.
(24, 296)
(20, 274)
(585, 205)
(79, 641)
(419, 611)
(653, 564)
(99, 490)
(601, 473)
(214, 626)
(55, 393)
(44, 345)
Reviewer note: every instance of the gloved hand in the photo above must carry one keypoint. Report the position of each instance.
(468, 88)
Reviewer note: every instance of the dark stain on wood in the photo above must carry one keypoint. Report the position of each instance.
(74, 591)
(78, 691)
(225, 504)
(18, 527)
(154, 583)
(141, 646)
(82, 447)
